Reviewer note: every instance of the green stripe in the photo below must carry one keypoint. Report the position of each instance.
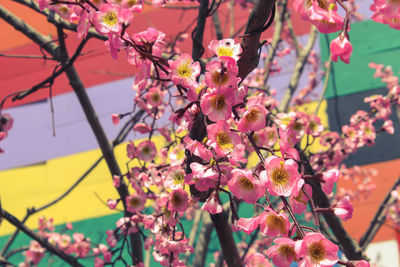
(372, 42)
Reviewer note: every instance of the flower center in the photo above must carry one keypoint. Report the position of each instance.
(178, 177)
(301, 198)
(184, 70)
(287, 251)
(226, 51)
(275, 222)
(253, 115)
(218, 102)
(223, 139)
(280, 176)
(110, 19)
(246, 184)
(134, 202)
(219, 78)
(316, 251)
(146, 150)
(155, 97)
(131, 3)
(176, 200)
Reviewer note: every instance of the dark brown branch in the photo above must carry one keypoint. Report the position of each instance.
(43, 242)
(378, 219)
(349, 247)
(198, 32)
(225, 236)
(250, 57)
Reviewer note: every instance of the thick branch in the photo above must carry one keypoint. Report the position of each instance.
(250, 57)
(198, 32)
(43, 242)
(43, 41)
(378, 220)
(200, 251)
(225, 236)
(349, 247)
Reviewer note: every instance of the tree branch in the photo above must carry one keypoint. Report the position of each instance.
(378, 219)
(43, 242)
(250, 57)
(298, 70)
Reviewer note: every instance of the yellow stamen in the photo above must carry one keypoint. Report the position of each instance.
(245, 183)
(184, 70)
(316, 251)
(110, 19)
(275, 222)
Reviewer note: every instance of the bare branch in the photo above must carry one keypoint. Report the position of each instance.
(298, 70)
(250, 57)
(378, 219)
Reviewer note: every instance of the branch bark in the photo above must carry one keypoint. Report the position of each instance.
(43, 242)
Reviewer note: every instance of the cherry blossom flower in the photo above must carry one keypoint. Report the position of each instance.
(131, 151)
(330, 178)
(280, 176)
(179, 200)
(155, 97)
(316, 250)
(184, 71)
(107, 19)
(225, 48)
(213, 204)
(146, 150)
(341, 48)
(244, 186)
(326, 20)
(135, 202)
(221, 138)
(253, 119)
(216, 104)
(257, 259)
(283, 253)
(344, 209)
(221, 74)
(273, 223)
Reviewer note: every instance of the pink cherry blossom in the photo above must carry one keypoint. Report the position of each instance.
(213, 204)
(283, 253)
(244, 186)
(341, 48)
(330, 178)
(216, 104)
(273, 223)
(315, 250)
(179, 200)
(280, 175)
(225, 48)
(344, 209)
(253, 119)
(184, 71)
(135, 202)
(221, 138)
(221, 73)
(146, 150)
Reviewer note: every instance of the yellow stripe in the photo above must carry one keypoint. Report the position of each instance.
(36, 185)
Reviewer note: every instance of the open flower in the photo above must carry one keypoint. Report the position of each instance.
(280, 176)
(283, 253)
(316, 250)
(221, 73)
(253, 119)
(178, 201)
(135, 202)
(225, 48)
(244, 186)
(184, 71)
(273, 223)
(146, 150)
(217, 104)
(221, 138)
